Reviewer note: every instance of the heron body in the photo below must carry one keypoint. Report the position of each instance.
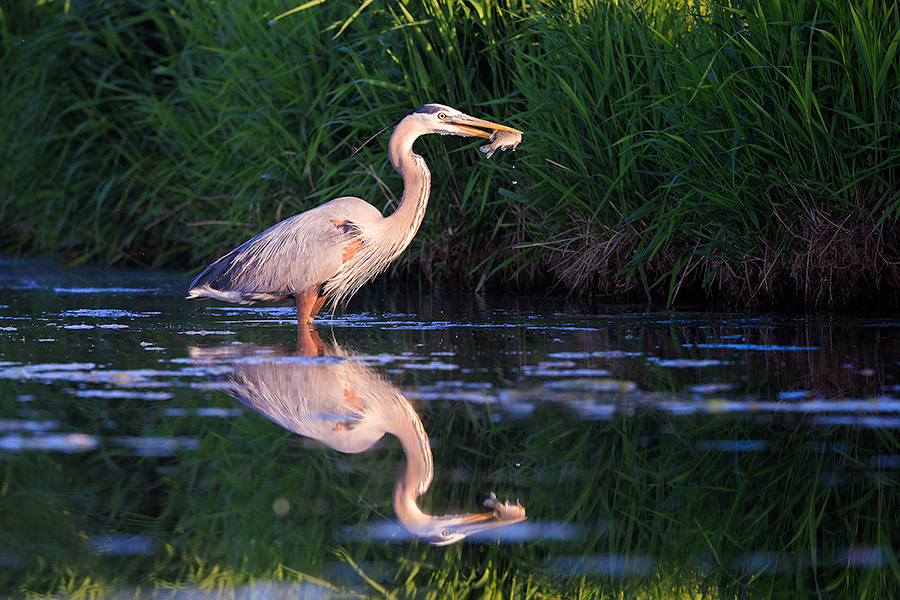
(327, 253)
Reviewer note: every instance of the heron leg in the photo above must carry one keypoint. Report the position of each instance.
(317, 306)
(309, 303)
(308, 341)
(306, 303)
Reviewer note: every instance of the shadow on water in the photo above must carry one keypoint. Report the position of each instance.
(659, 453)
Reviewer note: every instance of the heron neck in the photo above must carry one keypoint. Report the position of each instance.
(416, 480)
(416, 180)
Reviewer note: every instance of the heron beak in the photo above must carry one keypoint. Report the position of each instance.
(466, 126)
(485, 521)
(449, 529)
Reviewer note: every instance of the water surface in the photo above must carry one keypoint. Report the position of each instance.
(152, 446)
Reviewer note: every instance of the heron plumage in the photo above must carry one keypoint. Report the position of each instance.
(328, 252)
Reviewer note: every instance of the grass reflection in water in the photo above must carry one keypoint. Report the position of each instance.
(647, 504)
(659, 454)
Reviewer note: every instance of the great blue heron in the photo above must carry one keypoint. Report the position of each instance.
(348, 406)
(328, 252)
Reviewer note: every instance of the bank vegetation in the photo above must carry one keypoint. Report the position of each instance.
(742, 153)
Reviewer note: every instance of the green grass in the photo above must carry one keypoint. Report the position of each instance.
(745, 153)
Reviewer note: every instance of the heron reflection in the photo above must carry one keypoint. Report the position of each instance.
(321, 393)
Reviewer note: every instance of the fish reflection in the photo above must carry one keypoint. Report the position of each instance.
(321, 393)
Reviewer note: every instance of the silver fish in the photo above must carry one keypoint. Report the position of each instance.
(504, 511)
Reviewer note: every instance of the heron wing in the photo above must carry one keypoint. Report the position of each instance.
(291, 256)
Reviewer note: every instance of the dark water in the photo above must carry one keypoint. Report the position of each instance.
(154, 447)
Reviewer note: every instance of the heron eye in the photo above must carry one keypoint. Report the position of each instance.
(442, 116)
(445, 533)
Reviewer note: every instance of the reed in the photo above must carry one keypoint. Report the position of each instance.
(742, 153)
(721, 151)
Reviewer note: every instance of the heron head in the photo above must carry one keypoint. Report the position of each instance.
(443, 531)
(444, 120)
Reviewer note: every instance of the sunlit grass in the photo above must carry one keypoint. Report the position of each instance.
(740, 152)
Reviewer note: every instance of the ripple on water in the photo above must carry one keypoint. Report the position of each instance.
(685, 363)
(434, 365)
(203, 412)
(104, 290)
(123, 545)
(68, 443)
(710, 388)
(734, 445)
(208, 332)
(593, 385)
(157, 446)
(424, 393)
(599, 354)
(108, 313)
(547, 371)
(869, 422)
(863, 557)
(122, 394)
(89, 373)
(50, 370)
(755, 347)
(17, 425)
